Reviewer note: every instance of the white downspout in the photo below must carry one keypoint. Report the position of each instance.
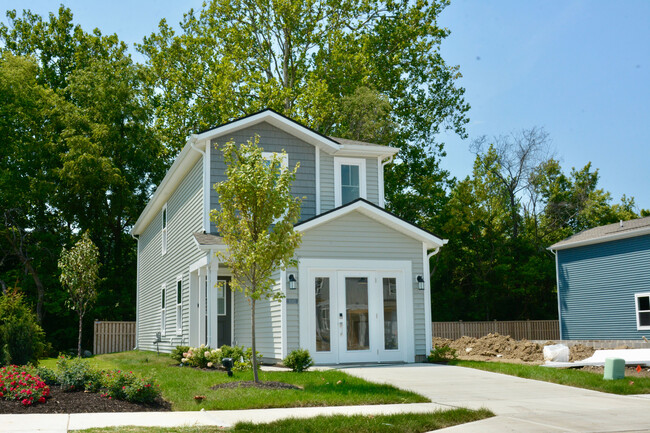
(137, 290)
(382, 199)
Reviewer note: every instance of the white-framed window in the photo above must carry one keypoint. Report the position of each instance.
(163, 316)
(284, 158)
(642, 301)
(179, 305)
(164, 229)
(221, 298)
(349, 180)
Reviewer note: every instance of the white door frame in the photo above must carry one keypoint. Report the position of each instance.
(205, 268)
(336, 270)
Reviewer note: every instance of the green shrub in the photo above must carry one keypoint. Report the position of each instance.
(177, 353)
(47, 375)
(22, 340)
(298, 360)
(442, 354)
(124, 385)
(74, 374)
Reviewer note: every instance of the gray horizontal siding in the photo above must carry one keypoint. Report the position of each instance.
(356, 236)
(326, 182)
(272, 139)
(184, 213)
(596, 286)
(372, 181)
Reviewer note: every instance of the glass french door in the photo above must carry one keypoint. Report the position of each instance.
(356, 316)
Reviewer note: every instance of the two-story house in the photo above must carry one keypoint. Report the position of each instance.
(360, 290)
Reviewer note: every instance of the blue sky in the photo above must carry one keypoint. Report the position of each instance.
(579, 69)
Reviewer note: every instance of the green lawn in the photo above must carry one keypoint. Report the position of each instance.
(565, 376)
(179, 385)
(410, 423)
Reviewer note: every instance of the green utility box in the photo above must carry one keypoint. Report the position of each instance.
(614, 368)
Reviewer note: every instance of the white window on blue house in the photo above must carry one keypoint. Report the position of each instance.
(179, 305)
(642, 310)
(349, 180)
(164, 229)
(163, 316)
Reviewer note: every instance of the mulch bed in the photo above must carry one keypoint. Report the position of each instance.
(80, 402)
(252, 384)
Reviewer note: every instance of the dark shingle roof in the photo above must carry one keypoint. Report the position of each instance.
(208, 239)
(603, 232)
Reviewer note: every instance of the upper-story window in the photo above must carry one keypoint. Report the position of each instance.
(164, 229)
(349, 180)
(284, 158)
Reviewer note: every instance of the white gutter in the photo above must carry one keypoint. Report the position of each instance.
(137, 291)
(436, 251)
(557, 285)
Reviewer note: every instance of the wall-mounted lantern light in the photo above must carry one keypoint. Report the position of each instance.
(420, 281)
(292, 282)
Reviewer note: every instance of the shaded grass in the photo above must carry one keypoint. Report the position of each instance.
(410, 423)
(179, 385)
(565, 376)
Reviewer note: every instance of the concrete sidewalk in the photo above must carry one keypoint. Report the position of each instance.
(521, 405)
(45, 423)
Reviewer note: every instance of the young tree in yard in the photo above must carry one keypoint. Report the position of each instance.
(256, 218)
(79, 274)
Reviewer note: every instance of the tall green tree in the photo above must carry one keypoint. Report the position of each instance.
(79, 275)
(368, 70)
(81, 154)
(256, 219)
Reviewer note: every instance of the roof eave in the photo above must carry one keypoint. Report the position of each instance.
(608, 238)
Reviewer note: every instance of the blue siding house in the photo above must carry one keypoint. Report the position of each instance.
(603, 282)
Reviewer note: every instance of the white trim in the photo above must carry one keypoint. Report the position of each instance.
(427, 300)
(137, 295)
(636, 310)
(283, 314)
(380, 181)
(366, 150)
(164, 228)
(338, 162)
(375, 268)
(557, 285)
(203, 261)
(317, 163)
(380, 216)
(278, 121)
(607, 238)
(179, 305)
(207, 187)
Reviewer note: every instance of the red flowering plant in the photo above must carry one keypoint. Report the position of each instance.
(19, 383)
(127, 386)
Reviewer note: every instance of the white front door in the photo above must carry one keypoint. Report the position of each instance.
(355, 315)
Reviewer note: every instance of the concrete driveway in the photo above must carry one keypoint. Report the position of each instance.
(521, 405)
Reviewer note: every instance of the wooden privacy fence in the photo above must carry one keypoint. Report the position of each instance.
(517, 329)
(113, 337)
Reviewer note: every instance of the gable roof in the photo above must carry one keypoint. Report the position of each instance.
(378, 214)
(606, 233)
(197, 143)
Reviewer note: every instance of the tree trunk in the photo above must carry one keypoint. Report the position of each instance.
(254, 359)
(81, 318)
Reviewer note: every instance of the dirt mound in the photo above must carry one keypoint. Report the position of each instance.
(496, 347)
